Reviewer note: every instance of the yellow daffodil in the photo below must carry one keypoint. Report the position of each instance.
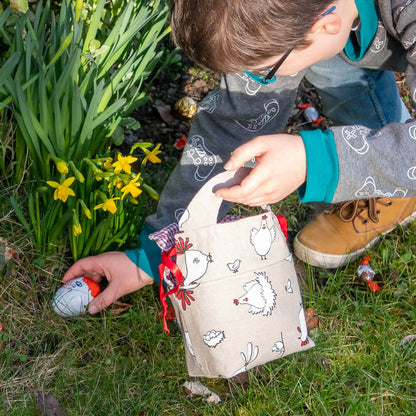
(63, 189)
(108, 164)
(117, 183)
(132, 188)
(76, 229)
(109, 205)
(123, 163)
(152, 155)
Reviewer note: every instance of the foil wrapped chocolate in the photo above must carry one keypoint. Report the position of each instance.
(366, 275)
(186, 107)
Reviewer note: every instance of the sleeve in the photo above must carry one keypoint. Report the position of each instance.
(381, 163)
(239, 110)
(322, 178)
(147, 255)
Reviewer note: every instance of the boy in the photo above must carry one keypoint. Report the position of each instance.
(265, 48)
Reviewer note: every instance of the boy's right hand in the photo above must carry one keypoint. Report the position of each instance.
(280, 169)
(122, 274)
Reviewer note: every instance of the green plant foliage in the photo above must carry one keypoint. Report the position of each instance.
(71, 80)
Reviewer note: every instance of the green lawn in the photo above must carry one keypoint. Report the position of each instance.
(125, 365)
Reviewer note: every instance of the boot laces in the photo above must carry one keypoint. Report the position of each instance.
(364, 209)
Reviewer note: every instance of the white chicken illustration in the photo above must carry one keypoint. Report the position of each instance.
(234, 266)
(279, 346)
(259, 295)
(252, 354)
(196, 263)
(262, 238)
(288, 286)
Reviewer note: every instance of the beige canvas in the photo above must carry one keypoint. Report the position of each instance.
(239, 304)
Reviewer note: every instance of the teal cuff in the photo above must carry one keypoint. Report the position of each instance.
(322, 166)
(369, 23)
(147, 257)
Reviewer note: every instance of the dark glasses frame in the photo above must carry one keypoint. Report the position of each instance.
(270, 76)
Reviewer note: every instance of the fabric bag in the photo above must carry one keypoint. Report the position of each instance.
(233, 287)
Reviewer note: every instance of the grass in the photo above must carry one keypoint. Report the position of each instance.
(126, 365)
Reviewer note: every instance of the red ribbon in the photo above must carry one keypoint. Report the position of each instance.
(283, 224)
(167, 262)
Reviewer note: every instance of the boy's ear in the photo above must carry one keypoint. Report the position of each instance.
(330, 24)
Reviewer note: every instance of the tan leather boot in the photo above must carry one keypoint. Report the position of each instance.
(345, 231)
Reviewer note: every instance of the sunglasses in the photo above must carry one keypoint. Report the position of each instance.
(267, 76)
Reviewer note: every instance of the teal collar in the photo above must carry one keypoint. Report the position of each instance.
(369, 22)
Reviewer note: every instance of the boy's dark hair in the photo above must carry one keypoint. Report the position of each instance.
(232, 35)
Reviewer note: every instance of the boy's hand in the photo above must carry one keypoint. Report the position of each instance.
(280, 169)
(122, 274)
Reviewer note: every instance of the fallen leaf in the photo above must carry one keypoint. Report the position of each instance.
(165, 113)
(49, 405)
(312, 321)
(196, 388)
(407, 339)
(118, 307)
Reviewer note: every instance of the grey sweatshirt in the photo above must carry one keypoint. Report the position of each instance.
(371, 163)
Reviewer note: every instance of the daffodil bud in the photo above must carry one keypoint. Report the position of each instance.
(85, 209)
(132, 200)
(93, 165)
(78, 9)
(60, 164)
(151, 192)
(76, 226)
(41, 189)
(76, 229)
(77, 173)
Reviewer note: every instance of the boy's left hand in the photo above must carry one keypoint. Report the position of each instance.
(280, 169)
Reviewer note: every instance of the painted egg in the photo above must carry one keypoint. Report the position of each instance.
(73, 297)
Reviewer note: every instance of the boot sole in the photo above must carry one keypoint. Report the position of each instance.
(333, 261)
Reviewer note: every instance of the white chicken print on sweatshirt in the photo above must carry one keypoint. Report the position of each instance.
(259, 295)
(262, 238)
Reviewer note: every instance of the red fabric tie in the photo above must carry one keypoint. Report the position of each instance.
(167, 262)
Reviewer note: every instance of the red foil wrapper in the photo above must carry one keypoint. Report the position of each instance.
(366, 275)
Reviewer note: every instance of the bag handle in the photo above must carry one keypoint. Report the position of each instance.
(203, 208)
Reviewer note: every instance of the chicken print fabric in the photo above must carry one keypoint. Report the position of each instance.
(262, 238)
(238, 305)
(259, 295)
